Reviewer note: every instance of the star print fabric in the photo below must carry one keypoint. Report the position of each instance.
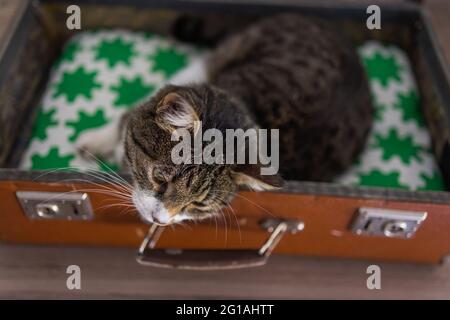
(398, 151)
(98, 75)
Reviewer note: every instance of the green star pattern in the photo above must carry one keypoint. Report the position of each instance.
(69, 52)
(376, 178)
(435, 182)
(115, 51)
(52, 160)
(382, 68)
(149, 35)
(86, 121)
(392, 145)
(44, 120)
(131, 91)
(77, 83)
(410, 108)
(168, 61)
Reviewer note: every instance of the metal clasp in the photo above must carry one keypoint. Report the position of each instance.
(387, 222)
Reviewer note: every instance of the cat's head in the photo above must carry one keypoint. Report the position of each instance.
(165, 192)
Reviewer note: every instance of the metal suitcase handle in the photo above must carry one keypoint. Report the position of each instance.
(208, 259)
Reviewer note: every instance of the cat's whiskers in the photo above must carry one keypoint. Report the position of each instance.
(255, 204)
(124, 192)
(126, 211)
(236, 194)
(124, 189)
(224, 204)
(82, 171)
(110, 177)
(215, 223)
(124, 205)
(74, 191)
(224, 219)
(104, 187)
(112, 196)
(112, 172)
(237, 222)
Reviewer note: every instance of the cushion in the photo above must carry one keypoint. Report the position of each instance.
(101, 73)
(398, 151)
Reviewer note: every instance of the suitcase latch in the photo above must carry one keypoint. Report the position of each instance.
(387, 223)
(55, 205)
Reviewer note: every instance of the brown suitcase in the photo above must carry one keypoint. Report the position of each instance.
(304, 218)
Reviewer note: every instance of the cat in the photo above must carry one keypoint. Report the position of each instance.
(287, 71)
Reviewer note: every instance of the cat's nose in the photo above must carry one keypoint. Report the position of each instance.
(150, 209)
(157, 220)
(160, 217)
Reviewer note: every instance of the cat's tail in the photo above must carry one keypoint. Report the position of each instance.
(208, 29)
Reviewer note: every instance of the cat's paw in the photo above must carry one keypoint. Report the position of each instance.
(195, 72)
(89, 144)
(98, 142)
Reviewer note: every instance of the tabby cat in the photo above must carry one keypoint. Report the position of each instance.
(289, 72)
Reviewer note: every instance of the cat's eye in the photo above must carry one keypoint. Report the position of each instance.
(199, 204)
(158, 176)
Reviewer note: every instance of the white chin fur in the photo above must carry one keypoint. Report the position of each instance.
(181, 217)
(150, 208)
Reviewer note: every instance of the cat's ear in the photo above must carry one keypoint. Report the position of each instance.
(251, 177)
(174, 112)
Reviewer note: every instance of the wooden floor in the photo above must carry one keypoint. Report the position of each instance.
(40, 272)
